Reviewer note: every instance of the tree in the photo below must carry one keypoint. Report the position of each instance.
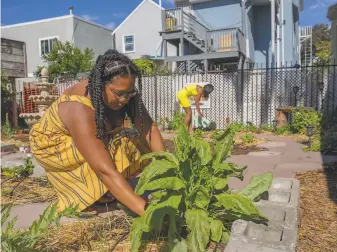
(67, 58)
(145, 65)
(323, 51)
(321, 32)
(321, 40)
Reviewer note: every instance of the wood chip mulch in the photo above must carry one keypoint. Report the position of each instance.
(318, 211)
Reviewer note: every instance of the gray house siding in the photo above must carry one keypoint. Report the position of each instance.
(31, 33)
(87, 35)
(219, 14)
(262, 34)
(145, 25)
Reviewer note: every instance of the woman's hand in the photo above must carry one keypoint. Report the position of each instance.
(81, 126)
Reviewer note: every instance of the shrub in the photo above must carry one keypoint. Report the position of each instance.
(192, 204)
(284, 130)
(216, 134)
(301, 118)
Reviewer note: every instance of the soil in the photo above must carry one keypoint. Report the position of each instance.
(318, 210)
(29, 190)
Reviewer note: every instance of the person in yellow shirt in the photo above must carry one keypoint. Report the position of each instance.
(195, 91)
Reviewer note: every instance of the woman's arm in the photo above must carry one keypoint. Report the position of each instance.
(197, 100)
(82, 128)
(157, 142)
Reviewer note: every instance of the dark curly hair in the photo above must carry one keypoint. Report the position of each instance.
(108, 66)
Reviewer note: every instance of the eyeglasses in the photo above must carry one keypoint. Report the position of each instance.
(123, 95)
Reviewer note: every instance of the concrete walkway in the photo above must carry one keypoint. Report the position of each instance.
(284, 158)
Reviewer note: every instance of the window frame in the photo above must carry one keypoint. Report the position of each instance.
(124, 44)
(45, 38)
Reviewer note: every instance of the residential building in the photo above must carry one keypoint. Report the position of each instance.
(138, 36)
(332, 15)
(213, 34)
(39, 36)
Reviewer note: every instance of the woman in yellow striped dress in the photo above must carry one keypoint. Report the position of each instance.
(81, 143)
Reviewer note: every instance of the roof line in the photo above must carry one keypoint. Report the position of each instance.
(133, 12)
(54, 19)
(36, 21)
(92, 23)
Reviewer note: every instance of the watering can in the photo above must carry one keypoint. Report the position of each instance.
(202, 123)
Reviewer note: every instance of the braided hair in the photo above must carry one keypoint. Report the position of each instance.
(208, 89)
(109, 66)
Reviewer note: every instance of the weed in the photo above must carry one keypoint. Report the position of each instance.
(247, 139)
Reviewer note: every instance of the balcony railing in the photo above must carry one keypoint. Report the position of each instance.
(226, 40)
(173, 20)
(220, 40)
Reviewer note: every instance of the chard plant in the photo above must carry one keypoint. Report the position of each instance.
(191, 202)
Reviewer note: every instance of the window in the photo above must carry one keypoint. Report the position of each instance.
(129, 43)
(46, 45)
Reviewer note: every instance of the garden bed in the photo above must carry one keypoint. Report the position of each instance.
(30, 190)
(318, 206)
(238, 149)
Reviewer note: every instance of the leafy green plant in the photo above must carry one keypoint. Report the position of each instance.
(246, 138)
(67, 58)
(237, 127)
(216, 134)
(146, 66)
(302, 117)
(198, 133)
(177, 121)
(12, 240)
(284, 130)
(21, 171)
(191, 201)
(6, 128)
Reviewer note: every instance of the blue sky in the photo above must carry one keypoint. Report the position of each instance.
(111, 13)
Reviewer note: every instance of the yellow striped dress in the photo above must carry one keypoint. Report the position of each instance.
(71, 176)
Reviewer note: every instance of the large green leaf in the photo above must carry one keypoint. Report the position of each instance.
(257, 186)
(219, 183)
(172, 183)
(177, 246)
(199, 197)
(182, 143)
(154, 169)
(238, 203)
(160, 155)
(198, 224)
(225, 235)
(203, 149)
(216, 229)
(155, 213)
(223, 147)
(136, 234)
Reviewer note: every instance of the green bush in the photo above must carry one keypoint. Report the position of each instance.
(216, 134)
(145, 65)
(301, 118)
(284, 130)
